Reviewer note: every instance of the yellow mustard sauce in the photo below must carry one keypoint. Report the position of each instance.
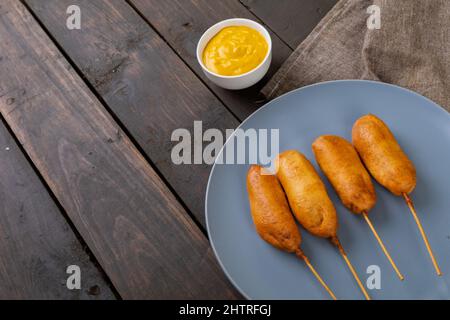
(235, 50)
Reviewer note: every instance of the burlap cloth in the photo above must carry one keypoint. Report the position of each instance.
(411, 49)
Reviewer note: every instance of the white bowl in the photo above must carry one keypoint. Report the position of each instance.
(244, 80)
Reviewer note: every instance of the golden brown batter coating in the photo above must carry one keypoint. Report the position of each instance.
(270, 211)
(383, 156)
(341, 164)
(306, 194)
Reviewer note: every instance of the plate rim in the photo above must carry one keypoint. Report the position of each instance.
(373, 82)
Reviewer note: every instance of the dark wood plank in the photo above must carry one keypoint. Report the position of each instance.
(292, 20)
(141, 236)
(182, 22)
(36, 243)
(143, 81)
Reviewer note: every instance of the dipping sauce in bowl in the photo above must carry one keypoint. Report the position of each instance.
(235, 50)
(235, 53)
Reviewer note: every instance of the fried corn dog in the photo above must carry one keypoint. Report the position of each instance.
(272, 217)
(341, 164)
(270, 211)
(308, 199)
(388, 164)
(383, 156)
(306, 194)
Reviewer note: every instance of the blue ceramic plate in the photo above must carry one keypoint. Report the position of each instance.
(422, 128)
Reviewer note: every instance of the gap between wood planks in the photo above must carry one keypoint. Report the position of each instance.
(267, 25)
(116, 119)
(297, 19)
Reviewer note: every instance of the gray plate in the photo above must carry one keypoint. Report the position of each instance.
(423, 130)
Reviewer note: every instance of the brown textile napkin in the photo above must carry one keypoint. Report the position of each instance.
(411, 49)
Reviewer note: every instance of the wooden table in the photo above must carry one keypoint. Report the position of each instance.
(86, 176)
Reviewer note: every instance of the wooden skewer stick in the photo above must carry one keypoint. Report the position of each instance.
(422, 232)
(299, 253)
(336, 241)
(375, 233)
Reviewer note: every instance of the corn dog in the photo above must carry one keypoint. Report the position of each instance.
(270, 211)
(383, 156)
(341, 164)
(306, 194)
(388, 164)
(272, 217)
(309, 201)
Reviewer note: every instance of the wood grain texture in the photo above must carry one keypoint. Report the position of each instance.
(36, 243)
(292, 20)
(141, 236)
(143, 81)
(182, 22)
